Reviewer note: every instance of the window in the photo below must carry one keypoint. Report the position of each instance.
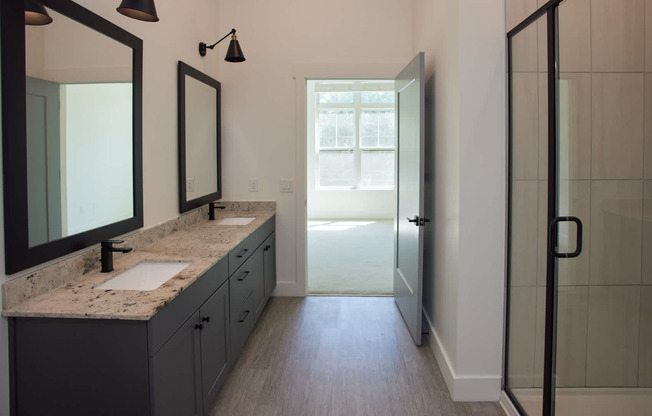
(354, 132)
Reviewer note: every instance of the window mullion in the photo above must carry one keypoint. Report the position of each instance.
(356, 148)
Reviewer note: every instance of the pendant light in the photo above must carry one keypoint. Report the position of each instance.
(139, 9)
(233, 53)
(35, 14)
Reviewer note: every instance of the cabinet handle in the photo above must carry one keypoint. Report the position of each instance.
(243, 276)
(244, 316)
(267, 248)
(242, 253)
(199, 326)
(206, 319)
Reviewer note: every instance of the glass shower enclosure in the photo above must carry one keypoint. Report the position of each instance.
(579, 280)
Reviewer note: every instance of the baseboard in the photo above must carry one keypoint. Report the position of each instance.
(473, 388)
(289, 289)
(507, 405)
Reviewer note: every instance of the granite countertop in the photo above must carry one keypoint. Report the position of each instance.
(203, 244)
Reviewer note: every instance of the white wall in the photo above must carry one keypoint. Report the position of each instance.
(465, 48)
(284, 40)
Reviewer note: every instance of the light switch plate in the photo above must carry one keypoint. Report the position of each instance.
(253, 185)
(287, 186)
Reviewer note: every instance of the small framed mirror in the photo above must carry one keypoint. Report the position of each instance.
(199, 138)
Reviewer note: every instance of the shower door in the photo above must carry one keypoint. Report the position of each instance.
(580, 274)
(528, 213)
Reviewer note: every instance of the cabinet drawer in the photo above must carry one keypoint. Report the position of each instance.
(241, 253)
(242, 322)
(245, 280)
(246, 248)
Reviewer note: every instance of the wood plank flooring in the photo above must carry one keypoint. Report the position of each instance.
(335, 356)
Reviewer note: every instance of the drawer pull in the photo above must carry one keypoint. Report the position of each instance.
(199, 326)
(242, 253)
(206, 319)
(243, 276)
(244, 316)
(267, 248)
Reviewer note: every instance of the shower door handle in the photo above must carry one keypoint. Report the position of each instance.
(554, 233)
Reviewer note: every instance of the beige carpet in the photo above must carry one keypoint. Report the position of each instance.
(352, 257)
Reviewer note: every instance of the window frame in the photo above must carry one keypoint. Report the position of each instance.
(358, 108)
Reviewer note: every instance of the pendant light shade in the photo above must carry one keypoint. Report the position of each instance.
(234, 53)
(35, 14)
(139, 9)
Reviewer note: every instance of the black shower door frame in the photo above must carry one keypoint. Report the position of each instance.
(550, 9)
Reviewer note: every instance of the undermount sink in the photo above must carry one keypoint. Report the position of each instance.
(236, 221)
(147, 275)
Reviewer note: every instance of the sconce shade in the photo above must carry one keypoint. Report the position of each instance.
(139, 9)
(35, 14)
(234, 53)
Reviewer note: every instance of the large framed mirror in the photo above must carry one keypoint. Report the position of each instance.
(199, 138)
(71, 132)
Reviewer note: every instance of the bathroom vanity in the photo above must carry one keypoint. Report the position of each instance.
(82, 350)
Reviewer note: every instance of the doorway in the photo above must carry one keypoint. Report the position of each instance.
(350, 163)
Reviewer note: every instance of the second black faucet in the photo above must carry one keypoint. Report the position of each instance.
(212, 206)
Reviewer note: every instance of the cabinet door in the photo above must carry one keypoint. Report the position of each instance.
(269, 265)
(175, 373)
(242, 322)
(214, 316)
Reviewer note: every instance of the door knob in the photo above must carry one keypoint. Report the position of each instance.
(419, 221)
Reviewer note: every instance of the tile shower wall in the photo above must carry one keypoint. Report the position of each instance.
(605, 295)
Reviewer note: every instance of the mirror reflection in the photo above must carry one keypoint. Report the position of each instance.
(199, 138)
(201, 135)
(79, 129)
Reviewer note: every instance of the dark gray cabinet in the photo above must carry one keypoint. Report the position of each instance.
(172, 364)
(215, 342)
(250, 286)
(78, 367)
(175, 371)
(189, 369)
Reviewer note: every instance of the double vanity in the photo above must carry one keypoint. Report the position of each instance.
(156, 336)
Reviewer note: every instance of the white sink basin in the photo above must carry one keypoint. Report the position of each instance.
(147, 275)
(236, 221)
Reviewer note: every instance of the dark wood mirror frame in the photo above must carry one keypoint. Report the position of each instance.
(18, 254)
(185, 204)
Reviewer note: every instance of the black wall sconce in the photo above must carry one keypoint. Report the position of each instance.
(233, 54)
(35, 14)
(139, 9)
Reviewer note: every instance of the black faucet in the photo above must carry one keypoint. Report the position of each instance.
(212, 206)
(107, 253)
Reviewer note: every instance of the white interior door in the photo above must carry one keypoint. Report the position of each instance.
(410, 221)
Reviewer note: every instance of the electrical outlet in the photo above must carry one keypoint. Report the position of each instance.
(287, 186)
(253, 185)
(190, 185)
